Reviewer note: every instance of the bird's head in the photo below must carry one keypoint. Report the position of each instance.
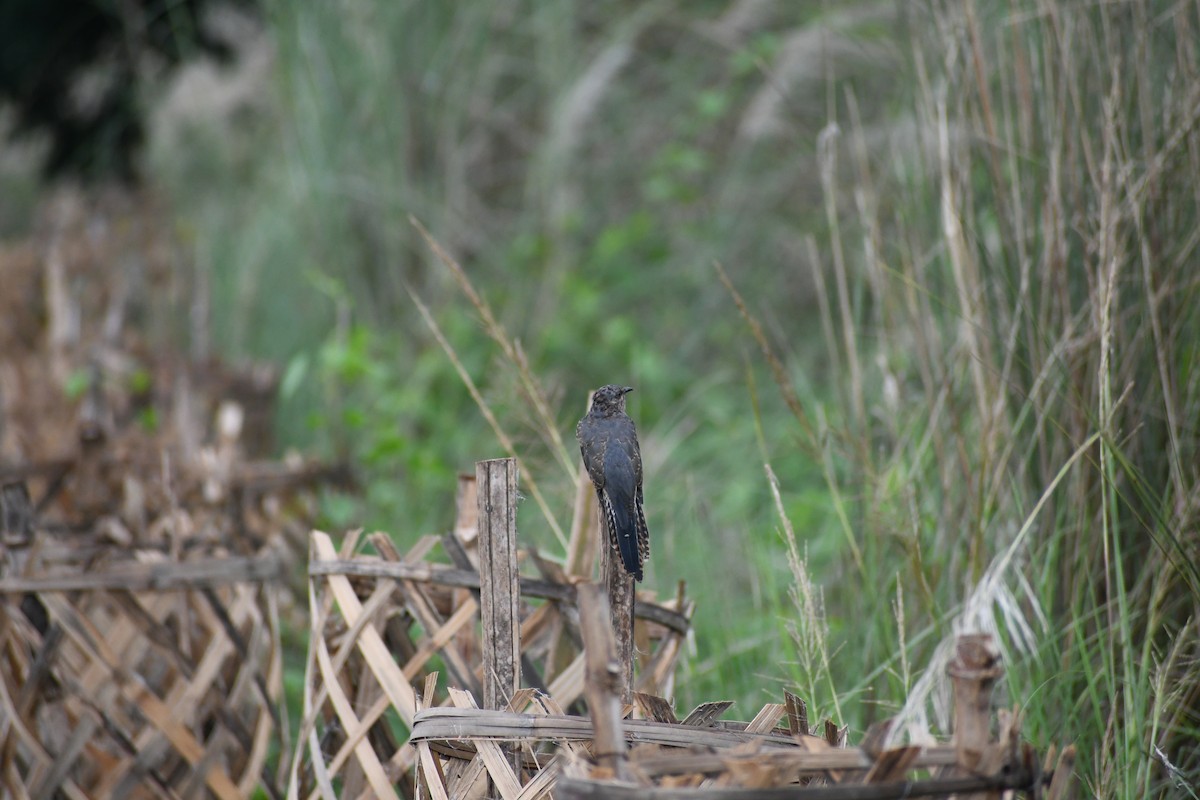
(610, 399)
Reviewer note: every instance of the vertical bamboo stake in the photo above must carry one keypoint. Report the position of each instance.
(621, 600)
(603, 680)
(499, 590)
(974, 672)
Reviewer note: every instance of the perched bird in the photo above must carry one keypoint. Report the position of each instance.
(609, 444)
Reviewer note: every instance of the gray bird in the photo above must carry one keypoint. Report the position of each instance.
(609, 444)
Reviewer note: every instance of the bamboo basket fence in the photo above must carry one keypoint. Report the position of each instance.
(384, 622)
(141, 647)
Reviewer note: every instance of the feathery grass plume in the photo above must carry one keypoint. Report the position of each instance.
(809, 629)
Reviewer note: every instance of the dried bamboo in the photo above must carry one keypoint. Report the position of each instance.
(497, 482)
(387, 615)
(607, 680)
(118, 690)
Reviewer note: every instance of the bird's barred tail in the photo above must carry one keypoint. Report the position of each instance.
(628, 534)
(643, 533)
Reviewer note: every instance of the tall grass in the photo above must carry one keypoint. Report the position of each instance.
(1016, 440)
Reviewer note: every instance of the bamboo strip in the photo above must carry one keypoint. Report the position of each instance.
(450, 576)
(66, 757)
(1062, 785)
(568, 686)
(666, 763)
(705, 715)
(543, 782)
(497, 765)
(247, 681)
(576, 789)
(372, 715)
(441, 637)
(155, 576)
(500, 600)
(470, 725)
(319, 608)
(353, 727)
(435, 778)
(313, 705)
(422, 609)
(445, 723)
(549, 707)
(767, 718)
(893, 765)
(369, 642)
(321, 775)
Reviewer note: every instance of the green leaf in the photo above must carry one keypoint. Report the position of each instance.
(77, 383)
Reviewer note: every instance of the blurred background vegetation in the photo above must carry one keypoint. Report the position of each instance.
(908, 292)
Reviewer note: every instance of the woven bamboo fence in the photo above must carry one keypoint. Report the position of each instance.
(142, 555)
(610, 756)
(141, 643)
(384, 623)
(139, 676)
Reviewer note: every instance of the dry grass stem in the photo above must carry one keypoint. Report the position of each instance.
(505, 441)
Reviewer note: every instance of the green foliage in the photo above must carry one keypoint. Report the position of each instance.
(381, 419)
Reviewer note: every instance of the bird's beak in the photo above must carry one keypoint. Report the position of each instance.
(627, 390)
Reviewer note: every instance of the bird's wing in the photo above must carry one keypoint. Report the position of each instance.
(635, 454)
(593, 441)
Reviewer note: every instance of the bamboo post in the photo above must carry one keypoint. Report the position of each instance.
(500, 592)
(603, 680)
(621, 600)
(973, 672)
